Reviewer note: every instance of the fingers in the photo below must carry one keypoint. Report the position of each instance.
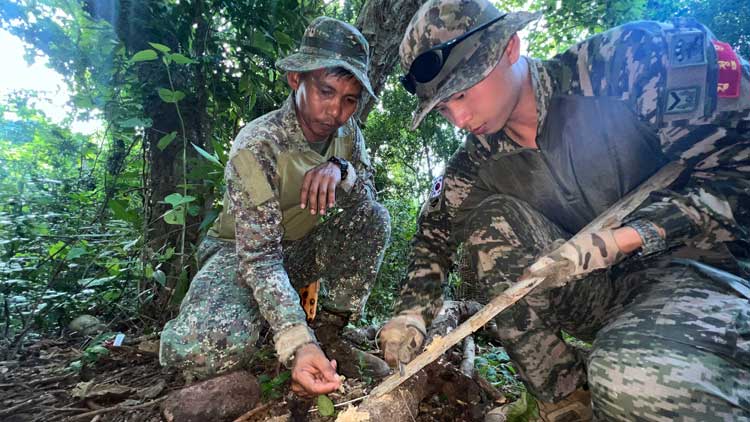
(331, 193)
(304, 191)
(318, 189)
(309, 384)
(390, 353)
(313, 373)
(322, 196)
(313, 194)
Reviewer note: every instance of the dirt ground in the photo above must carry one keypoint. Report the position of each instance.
(128, 384)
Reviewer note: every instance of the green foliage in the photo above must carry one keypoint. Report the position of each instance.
(524, 409)
(325, 405)
(92, 353)
(495, 367)
(271, 388)
(58, 261)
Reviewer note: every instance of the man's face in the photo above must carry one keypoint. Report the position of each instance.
(485, 107)
(324, 101)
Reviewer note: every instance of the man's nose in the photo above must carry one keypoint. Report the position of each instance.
(461, 117)
(334, 109)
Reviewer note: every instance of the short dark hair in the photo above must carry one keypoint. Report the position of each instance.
(339, 72)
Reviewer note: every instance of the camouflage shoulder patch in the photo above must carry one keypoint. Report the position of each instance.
(682, 100)
(687, 74)
(252, 177)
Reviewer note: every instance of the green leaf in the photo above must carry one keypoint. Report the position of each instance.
(175, 216)
(325, 406)
(56, 248)
(120, 211)
(180, 290)
(95, 282)
(144, 55)
(253, 100)
(209, 219)
(165, 140)
(75, 253)
(180, 59)
(135, 122)
(194, 210)
(160, 277)
(261, 42)
(208, 156)
(283, 39)
(161, 47)
(169, 96)
(176, 199)
(149, 271)
(168, 254)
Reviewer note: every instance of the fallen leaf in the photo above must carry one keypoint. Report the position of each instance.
(325, 406)
(87, 390)
(153, 391)
(149, 346)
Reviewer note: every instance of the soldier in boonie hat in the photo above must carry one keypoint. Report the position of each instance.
(450, 45)
(329, 43)
(269, 256)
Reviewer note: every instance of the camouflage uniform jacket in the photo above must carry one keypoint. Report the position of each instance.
(635, 64)
(256, 178)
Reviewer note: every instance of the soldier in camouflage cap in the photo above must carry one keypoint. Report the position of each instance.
(664, 298)
(330, 43)
(286, 170)
(487, 31)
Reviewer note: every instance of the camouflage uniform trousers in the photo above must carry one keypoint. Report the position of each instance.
(669, 342)
(219, 321)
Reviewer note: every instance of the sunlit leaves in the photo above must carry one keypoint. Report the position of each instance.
(144, 55)
(165, 140)
(169, 96)
(180, 59)
(161, 47)
(208, 156)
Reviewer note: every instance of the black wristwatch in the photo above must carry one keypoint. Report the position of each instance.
(343, 166)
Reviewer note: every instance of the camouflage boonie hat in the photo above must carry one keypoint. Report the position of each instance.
(438, 21)
(327, 43)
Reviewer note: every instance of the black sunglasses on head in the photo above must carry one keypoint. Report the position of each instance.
(429, 64)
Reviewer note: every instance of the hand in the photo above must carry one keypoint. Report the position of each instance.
(402, 338)
(312, 373)
(584, 254)
(319, 187)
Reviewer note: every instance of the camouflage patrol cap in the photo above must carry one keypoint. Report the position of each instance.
(329, 42)
(438, 21)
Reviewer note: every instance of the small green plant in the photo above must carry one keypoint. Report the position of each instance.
(92, 353)
(495, 367)
(325, 405)
(270, 388)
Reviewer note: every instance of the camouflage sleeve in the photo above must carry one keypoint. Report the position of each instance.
(637, 63)
(435, 242)
(360, 184)
(253, 201)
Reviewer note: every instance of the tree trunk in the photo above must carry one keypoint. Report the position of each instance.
(383, 23)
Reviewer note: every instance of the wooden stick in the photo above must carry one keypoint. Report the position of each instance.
(245, 417)
(118, 407)
(609, 219)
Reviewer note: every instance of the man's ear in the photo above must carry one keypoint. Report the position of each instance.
(294, 79)
(513, 49)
